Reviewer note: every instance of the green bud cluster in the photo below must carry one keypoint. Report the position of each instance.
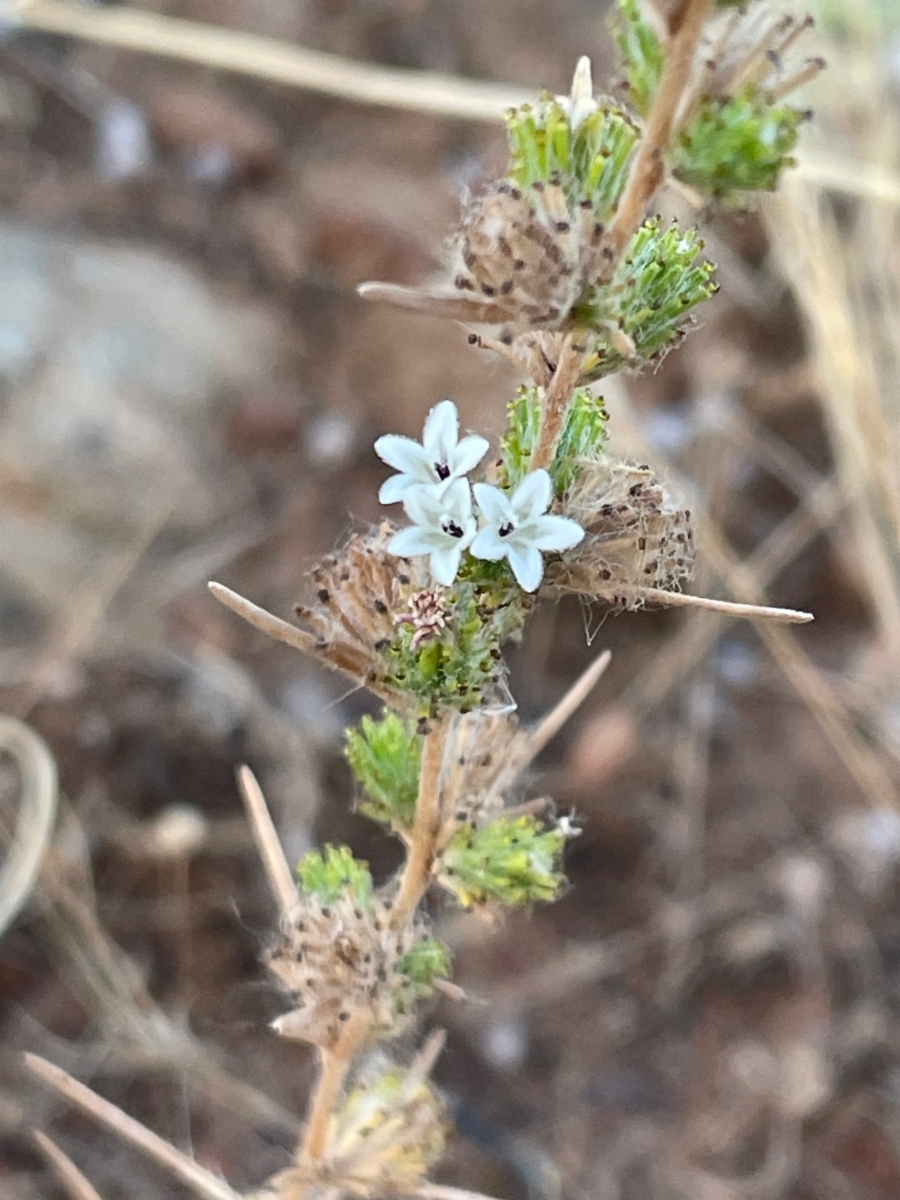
(583, 437)
(641, 54)
(590, 163)
(511, 861)
(427, 961)
(736, 145)
(650, 297)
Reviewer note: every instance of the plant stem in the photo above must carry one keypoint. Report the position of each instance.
(335, 1060)
(333, 1066)
(686, 24)
(420, 860)
(555, 402)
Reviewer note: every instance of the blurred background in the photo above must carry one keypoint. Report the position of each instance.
(189, 389)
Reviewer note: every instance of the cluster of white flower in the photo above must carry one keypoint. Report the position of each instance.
(438, 499)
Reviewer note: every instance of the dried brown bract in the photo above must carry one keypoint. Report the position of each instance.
(525, 256)
(635, 537)
(340, 959)
(359, 590)
(743, 48)
(522, 258)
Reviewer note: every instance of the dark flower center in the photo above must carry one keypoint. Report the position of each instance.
(442, 470)
(451, 527)
(506, 530)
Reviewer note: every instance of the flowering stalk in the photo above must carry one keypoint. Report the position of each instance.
(573, 282)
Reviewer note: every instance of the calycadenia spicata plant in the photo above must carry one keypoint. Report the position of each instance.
(562, 267)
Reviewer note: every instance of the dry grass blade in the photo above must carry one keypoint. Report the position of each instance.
(281, 880)
(268, 58)
(847, 286)
(197, 1178)
(265, 622)
(37, 815)
(70, 1178)
(728, 608)
(867, 180)
(550, 725)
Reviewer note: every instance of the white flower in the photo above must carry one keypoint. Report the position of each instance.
(440, 458)
(444, 526)
(580, 102)
(519, 530)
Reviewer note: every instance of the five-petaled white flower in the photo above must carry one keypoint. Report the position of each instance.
(519, 529)
(444, 526)
(440, 459)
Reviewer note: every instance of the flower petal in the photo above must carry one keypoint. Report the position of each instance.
(489, 545)
(395, 488)
(456, 499)
(406, 456)
(468, 454)
(527, 566)
(441, 431)
(555, 533)
(532, 497)
(494, 504)
(412, 541)
(424, 505)
(444, 563)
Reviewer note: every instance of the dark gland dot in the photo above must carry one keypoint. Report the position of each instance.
(453, 529)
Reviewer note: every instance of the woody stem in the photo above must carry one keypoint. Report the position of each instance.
(426, 826)
(686, 22)
(333, 1066)
(555, 402)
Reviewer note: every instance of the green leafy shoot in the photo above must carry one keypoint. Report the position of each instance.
(736, 145)
(513, 861)
(427, 961)
(384, 757)
(641, 53)
(333, 872)
(583, 437)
